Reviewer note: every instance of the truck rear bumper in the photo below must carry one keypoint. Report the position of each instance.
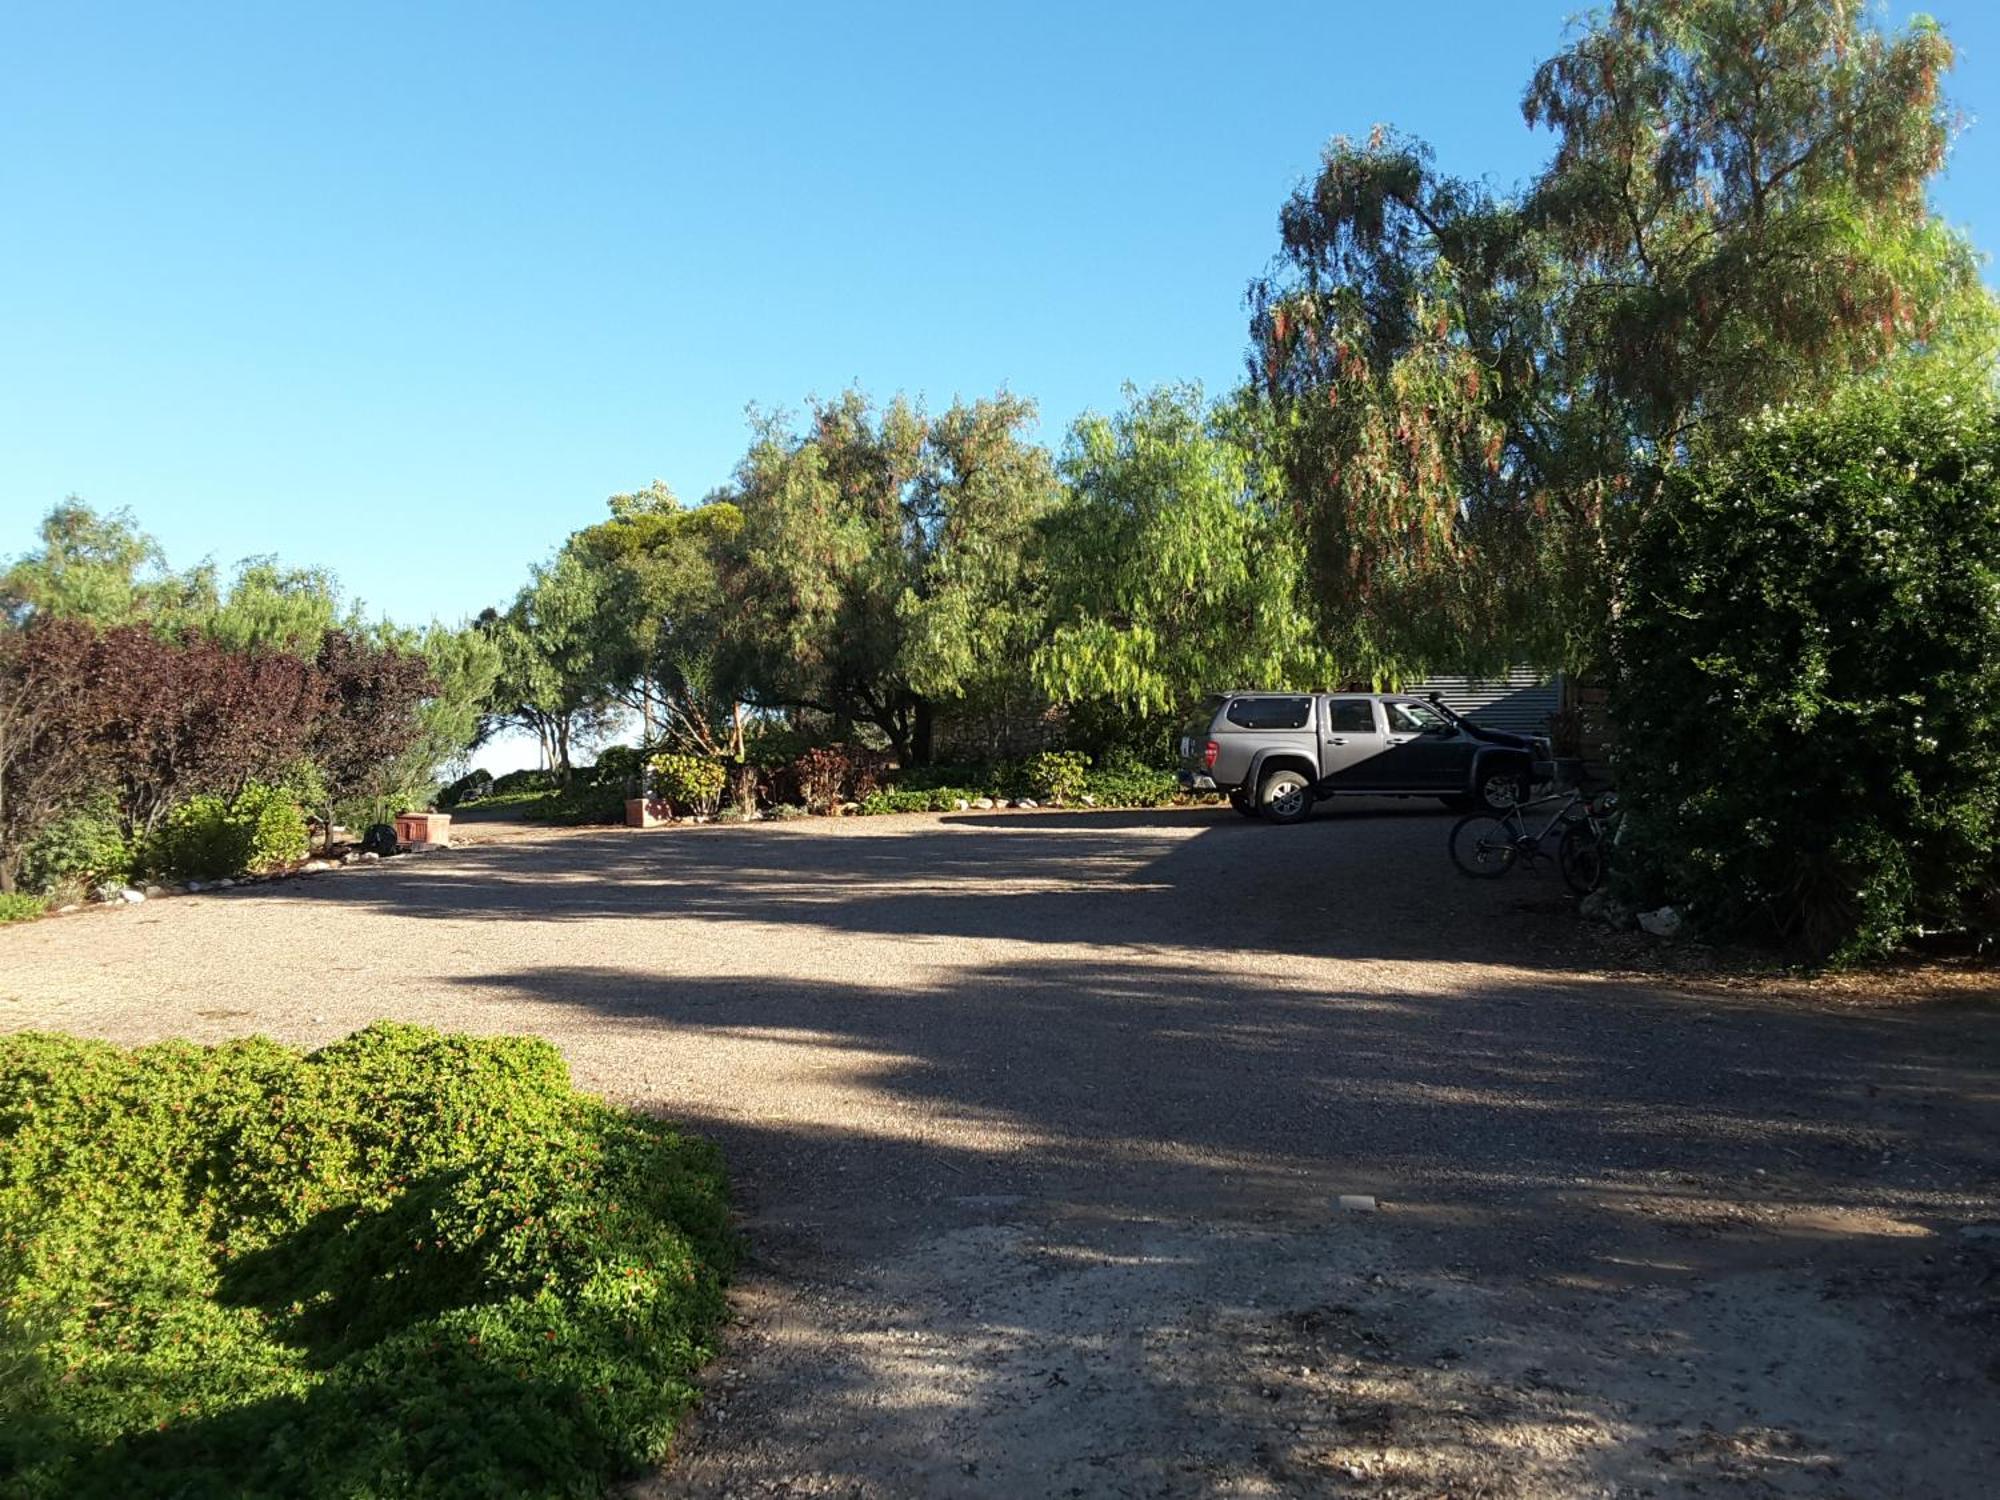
(1195, 781)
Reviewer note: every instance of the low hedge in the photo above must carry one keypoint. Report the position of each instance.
(408, 1263)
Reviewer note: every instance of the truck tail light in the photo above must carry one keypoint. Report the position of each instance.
(1208, 754)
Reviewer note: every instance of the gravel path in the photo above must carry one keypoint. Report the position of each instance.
(1039, 1124)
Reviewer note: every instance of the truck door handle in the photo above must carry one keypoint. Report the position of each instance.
(1340, 739)
(1399, 739)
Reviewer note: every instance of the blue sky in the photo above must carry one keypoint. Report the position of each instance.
(407, 290)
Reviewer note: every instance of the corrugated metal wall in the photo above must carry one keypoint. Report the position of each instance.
(1520, 703)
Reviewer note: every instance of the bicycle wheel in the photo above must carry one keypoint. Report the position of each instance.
(1580, 857)
(1483, 846)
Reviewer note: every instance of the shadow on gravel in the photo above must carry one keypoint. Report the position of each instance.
(1075, 1229)
(1363, 883)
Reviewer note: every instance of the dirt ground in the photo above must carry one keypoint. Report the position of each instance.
(1040, 1124)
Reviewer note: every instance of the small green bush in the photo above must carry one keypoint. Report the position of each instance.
(19, 906)
(208, 838)
(524, 781)
(1058, 775)
(1809, 716)
(616, 766)
(691, 783)
(86, 846)
(1130, 784)
(405, 1264)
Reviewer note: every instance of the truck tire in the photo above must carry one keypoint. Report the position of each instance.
(1285, 796)
(1500, 787)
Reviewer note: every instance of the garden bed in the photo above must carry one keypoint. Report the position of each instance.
(406, 1263)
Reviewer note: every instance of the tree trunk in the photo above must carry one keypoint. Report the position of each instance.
(924, 740)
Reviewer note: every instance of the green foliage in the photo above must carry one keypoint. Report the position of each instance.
(1810, 713)
(529, 780)
(691, 783)
(469, 788)
(408, 1263)
(885, 560)
(1125, 782)
(1171, 569)
(1058, 775)
(84, 847)
(1471, 395)
(211, 838)
(19, 906)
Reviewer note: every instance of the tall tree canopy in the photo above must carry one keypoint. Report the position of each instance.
(1470, 389)
(885, 558)
(1173, 571)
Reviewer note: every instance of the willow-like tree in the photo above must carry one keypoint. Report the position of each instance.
(1172, 570)
(1472, 391)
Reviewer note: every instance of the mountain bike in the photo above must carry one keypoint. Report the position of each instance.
(1486, 846)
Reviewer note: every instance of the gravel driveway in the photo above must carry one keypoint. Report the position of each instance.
(1039, 1125)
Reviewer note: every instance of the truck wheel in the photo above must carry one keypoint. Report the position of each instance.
(1240, 800)
(1499, 790)
(1285, 797)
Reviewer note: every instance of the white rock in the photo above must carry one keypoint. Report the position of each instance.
(1664, 923)
(1029, 803)
(1357, 1203)
(371, 858)
(195, 887)
(223, 885)
(1088, 800)
(154, 890)
(350, 858)
(63, 911)
(131, 895)
(984, 804)
(959, 804)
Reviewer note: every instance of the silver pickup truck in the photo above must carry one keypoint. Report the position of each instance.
(1275, 754)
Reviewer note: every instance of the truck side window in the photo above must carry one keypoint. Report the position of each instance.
(1270, 713)
(1350, 716)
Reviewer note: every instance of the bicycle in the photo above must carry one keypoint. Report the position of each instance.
(1486, 846)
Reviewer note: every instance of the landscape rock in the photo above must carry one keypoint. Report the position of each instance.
(371, 858)
(1358, 1203)
(1088, 800)
(223, 885)
(131, 895)
(1602, 906)
(155, 890)
(63, 911)
(1663, 923)
(959, 804)
(1028, 803)
(195, 887)
(106, 892)
(984, 804)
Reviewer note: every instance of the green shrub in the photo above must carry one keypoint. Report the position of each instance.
(1058, 775)
(691, 783)
(86, 846)
(1130, 784)
(1809, 714)
(524, 781)
(405, 1264)
(207, 838)
(19, 906)
(468, 788)
(616, 766)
